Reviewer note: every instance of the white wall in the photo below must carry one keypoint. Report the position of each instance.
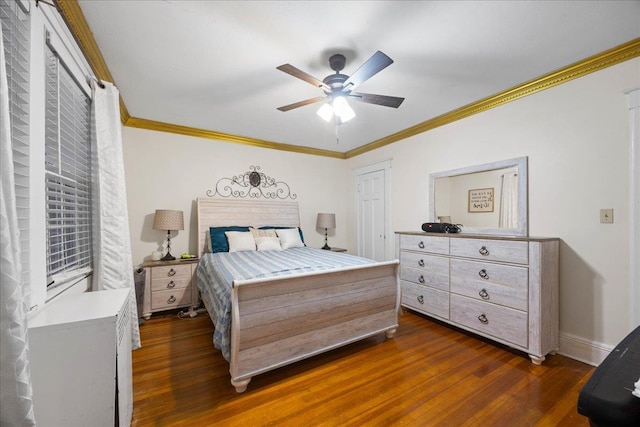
(576, 137)
(167, 171)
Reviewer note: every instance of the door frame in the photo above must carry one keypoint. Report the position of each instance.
(385, 166)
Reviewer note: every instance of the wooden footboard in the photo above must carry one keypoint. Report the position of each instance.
(281, 320)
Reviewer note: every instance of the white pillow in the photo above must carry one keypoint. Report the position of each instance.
(268, 244)
(240, 241)
(289, 238)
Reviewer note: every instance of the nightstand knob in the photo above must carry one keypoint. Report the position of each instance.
(421, 279)
(484, 251)
(171, 272)
(421, 263)
(484, 294)
(483, 319)
(171, 285)
(420, 299)
(171, 300)
(421, 245)
(483, 273)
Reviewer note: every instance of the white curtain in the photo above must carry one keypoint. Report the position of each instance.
(509, 201)
(15, 392)
(112, 267)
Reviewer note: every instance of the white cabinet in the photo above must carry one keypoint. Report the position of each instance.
(80, 360)
(502, 288)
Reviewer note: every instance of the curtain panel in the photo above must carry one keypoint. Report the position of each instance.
(112, 262)
(16, 392)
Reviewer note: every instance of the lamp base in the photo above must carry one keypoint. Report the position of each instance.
(168, 257)
(326, 247)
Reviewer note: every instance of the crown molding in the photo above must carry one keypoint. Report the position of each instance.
(219, 136)
(605, 59)
(78, 25)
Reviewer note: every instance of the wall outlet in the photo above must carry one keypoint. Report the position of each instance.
(606, 216)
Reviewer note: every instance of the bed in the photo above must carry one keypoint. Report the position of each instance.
(286, 316)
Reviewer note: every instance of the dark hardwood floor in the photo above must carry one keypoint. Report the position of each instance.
(428, 375)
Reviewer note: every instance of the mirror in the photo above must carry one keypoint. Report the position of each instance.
(485, 199)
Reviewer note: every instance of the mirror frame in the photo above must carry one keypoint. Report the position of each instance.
(523, 208)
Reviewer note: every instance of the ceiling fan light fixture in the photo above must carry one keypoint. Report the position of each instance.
(326, 112)
(342, 109)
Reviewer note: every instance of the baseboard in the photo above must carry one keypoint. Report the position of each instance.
(583, 350)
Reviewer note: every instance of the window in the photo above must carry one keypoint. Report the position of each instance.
(15, 35)
(68, 173)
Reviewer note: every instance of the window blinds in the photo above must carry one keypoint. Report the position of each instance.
(68, 173)
(15, 34)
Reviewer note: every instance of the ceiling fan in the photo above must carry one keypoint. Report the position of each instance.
(338, 87)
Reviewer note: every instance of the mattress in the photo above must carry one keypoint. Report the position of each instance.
(217, 271)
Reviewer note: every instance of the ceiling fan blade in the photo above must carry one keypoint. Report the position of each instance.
(302, 103)
(386, 101)
(296, 72)
(378, 62)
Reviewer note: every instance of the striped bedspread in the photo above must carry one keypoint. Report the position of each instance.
(217, 271)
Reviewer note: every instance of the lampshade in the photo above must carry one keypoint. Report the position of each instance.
(338, 106)
(166, 219)
(326, 220)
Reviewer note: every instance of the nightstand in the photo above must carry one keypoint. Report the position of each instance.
(338, 250)
(169, 285)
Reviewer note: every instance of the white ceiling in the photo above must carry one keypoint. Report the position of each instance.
(212, 64)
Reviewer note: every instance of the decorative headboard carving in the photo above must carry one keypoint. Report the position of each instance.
(252, 184)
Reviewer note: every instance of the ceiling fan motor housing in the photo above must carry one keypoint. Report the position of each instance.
(335, 82)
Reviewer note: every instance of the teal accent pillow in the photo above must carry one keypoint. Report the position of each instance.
(219, 240)
(281, 228)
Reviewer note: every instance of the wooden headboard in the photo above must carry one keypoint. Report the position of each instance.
(226, 212)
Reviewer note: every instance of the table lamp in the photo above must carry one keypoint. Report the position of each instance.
(166, 219)
(326, 221)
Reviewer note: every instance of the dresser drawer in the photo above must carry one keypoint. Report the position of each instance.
(171, 271)
(425, 299)
(492, 250)
(501, 284)
(165, 284)
(425, 269)
(491, 319)
(162, 300)
(436, 245)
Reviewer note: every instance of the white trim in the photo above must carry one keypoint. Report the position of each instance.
(634, 208)
(582, 350)
(385, 166)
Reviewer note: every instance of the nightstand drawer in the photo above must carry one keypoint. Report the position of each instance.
(491, 319)
(436, 245)
(171, 271)
(162, 300)
(166, 284)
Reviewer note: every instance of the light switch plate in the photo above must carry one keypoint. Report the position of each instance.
(606, 216)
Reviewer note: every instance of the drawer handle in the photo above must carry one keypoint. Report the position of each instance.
(421, 279)
(421, 263)
(171, 285)
(483, 273)
(171, 300)
(484, 294)
(421, 245)
(171, 272)
(483, 319)
(420, 299)
(484, 251)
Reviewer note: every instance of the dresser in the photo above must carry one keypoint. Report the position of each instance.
(502, 288)
(169, 285)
